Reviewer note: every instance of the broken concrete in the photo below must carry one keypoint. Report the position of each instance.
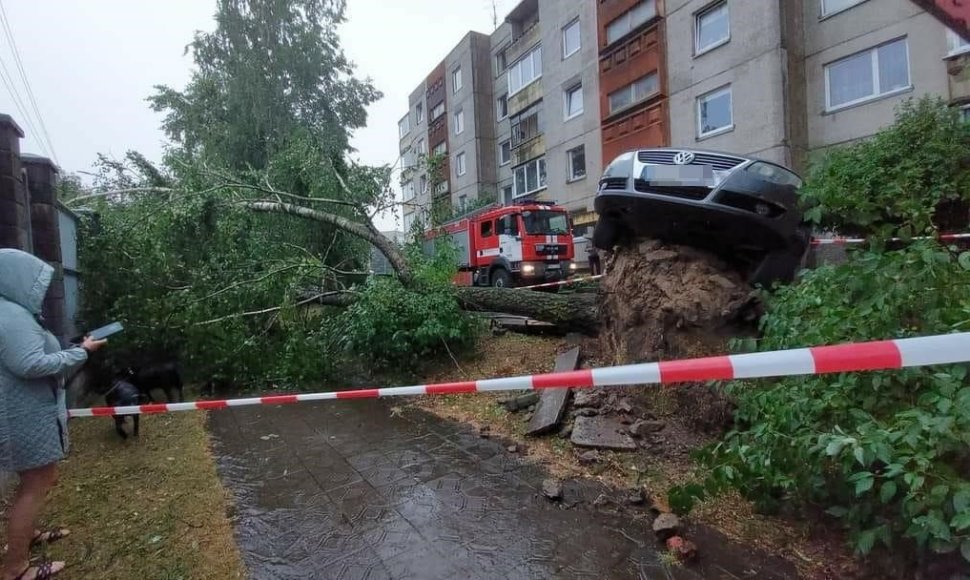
(666, 526)
(601, 433)
(643, 428)
(521, 402)
(552, 403)
(552, 489)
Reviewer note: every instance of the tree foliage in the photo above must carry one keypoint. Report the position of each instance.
(885, 452)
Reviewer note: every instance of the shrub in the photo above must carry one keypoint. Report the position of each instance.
(895, 183)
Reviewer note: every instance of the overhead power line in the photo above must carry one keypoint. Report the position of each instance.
(44, 135)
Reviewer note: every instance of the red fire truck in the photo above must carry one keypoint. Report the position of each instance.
(504, 246)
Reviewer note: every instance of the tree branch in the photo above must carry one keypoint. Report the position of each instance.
(327, 298)
(126, 191)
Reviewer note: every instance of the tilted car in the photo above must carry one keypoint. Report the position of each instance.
(744, 210)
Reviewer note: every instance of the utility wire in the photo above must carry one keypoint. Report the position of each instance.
(18, 102)
(23, 76)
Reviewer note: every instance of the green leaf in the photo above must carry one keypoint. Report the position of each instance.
(834, 447)
(965, 550)
(837, 511)
(860, 456)
(887, 491)
(964, 260)
(961, 500)
(866, 541)
(961, 521)
(864, 484)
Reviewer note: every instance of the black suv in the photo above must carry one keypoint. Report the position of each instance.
(744, 210)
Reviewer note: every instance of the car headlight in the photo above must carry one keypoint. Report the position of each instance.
(528, 269)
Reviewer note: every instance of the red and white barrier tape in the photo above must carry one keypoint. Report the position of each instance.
(865, 356)
(846, 241)
(561, 282)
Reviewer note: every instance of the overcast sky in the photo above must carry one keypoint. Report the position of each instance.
(92, 63)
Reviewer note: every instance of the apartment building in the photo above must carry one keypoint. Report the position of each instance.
(564, 86)
(783, 79)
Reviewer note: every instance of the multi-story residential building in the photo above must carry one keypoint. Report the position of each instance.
(780, 80)
(570, 84)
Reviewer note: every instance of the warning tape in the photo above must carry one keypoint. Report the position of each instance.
(561, 282)
(845, 241)
(855, 357)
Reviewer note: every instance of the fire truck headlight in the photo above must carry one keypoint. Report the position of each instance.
(528, 269)
(572, 265)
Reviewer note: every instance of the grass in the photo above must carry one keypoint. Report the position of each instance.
(148, 508)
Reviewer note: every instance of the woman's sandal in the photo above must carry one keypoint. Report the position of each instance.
(43, 571)
(46, 537)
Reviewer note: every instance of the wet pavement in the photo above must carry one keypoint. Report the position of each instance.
(358, 489)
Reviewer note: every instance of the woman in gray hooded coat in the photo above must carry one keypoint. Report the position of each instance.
(33, 415)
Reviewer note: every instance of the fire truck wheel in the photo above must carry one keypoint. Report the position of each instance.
(501, 278)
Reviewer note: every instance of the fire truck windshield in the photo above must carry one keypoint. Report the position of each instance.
(545, 222)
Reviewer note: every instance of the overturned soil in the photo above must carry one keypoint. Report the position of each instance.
(662, 301)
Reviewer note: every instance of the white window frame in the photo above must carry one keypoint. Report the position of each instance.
(502, 162)
(423, 180)
(408, 222)
(697, 110)
(440, 106)
(441, 148)
(535, 57)
(408, 191)
(633, 100)
(419, 112)
(956, 44)
(537, 162)
(422, 147)
(511, 190)
(570, 174)
(456, 82)
(460, 165)
(404, 126)
(630, 25)
(498, 105)
(566, 95)
(566, 53)
(459, 121)
(874, 69)
(698, 49)
(823, 13)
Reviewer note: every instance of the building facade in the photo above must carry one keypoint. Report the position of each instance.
(564, 86)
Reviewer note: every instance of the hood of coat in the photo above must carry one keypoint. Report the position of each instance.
(24, 279)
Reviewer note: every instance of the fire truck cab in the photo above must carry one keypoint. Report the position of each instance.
(504, 246)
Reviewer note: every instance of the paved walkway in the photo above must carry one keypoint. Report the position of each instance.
(354, 490)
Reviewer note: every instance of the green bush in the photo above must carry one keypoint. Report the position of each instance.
(894, 183)
(888, 451)
(393, 325)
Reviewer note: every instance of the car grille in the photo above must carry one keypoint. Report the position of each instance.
(666, 157)
(686, 192)
(613, 183)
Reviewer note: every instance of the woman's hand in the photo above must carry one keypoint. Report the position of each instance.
(91, 345)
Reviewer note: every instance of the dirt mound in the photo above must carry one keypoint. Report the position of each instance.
(661, 301)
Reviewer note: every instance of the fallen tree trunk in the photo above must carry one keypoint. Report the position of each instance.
(577, 312)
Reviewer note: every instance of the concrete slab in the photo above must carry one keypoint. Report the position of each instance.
(601, 433)
(552, 402)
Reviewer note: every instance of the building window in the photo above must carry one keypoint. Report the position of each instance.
(423, 147)
(423, 184)
(830, 7)
(576, 160)
(866, 75)
(404, 126)
(462, 202)
(419, 112)
(525, 126)
(525, 71)
(441, 148)
(456, 80)
(459, 122)
(408, 222)
(956, 44)
(570, 39)
(712, 28)
(408, 190)
(500, 62)
(442, 187)
(630, 20)
(507, 195)
(714, 112)
(438, 111)
(503, 107)
(505, 152)
(530, 177)
(460, 168)
(635, 92)
(573, 102)
(965, 113)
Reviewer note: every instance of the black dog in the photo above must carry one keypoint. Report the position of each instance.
(123, 394)
(163, 376)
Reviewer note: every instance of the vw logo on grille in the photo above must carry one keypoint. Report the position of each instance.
(684, 158)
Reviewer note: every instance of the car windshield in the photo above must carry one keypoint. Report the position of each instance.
(545, 222)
